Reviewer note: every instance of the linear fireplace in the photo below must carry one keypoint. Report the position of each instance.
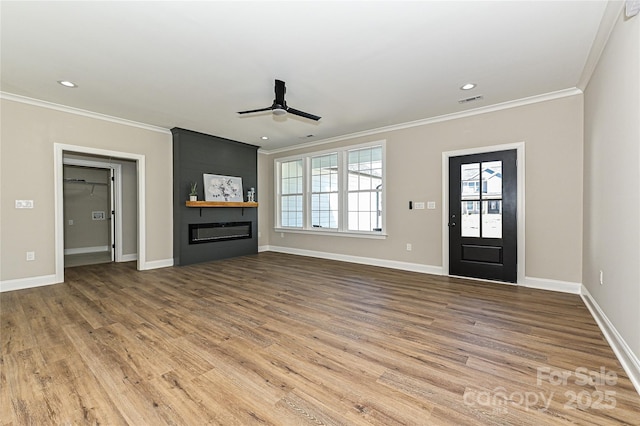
(221, 231)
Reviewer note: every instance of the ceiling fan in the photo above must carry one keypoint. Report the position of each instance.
(279, 106)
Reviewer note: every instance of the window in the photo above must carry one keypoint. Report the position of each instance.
(338, 191)
(324, 191)
(481, 210)
(291, 194)
(365, 189)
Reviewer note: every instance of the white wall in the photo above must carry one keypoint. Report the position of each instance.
(81, 231)
(28, 135)
(612, 182)
(552, 131)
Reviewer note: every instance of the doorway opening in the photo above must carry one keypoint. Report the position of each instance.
(483, 213)
(130, 240)
(90, 213)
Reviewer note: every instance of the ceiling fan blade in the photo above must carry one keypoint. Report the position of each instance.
(280, 90)
(303, 114)
(255, 110)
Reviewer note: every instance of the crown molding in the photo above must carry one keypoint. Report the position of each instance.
(610, 17)
(446, 117)
(82, 112)
(438, 119)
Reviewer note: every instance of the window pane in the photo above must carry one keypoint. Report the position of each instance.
(353, 202)
(291, 177)
(492, 180)
(364, 164)
(492, 219)
(291, 211)
(364, 221)
(470, 218)
(364, 201)
(470, 181)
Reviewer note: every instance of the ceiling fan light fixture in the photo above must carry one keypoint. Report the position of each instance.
(279, 111)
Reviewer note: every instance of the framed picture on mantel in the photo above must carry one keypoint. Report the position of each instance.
(222, 188)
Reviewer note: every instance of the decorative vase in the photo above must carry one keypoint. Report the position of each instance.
(193, 198)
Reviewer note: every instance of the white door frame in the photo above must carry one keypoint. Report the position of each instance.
(519, 147)
(59, 150)
(116, 200)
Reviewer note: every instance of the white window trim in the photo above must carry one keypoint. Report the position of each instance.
(342, 229)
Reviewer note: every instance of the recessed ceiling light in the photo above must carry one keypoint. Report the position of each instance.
(67, 83)
(468, 86)
(264, 138)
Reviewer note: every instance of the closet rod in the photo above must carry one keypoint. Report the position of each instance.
(84, 182)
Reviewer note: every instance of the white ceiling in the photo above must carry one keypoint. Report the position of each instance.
(360, 65)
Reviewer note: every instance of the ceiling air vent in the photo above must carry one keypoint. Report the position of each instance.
(471, 99)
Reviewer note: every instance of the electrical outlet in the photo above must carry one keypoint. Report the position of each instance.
(31, 255)
(409, 247)
(431, 205)
(601, 278)
(70, 222)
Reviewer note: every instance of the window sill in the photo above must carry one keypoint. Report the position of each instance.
(324, 232)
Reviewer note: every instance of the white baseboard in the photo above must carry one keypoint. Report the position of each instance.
(553, 285)
(394, 264)
(129, 257)
(81, 250)
(539, 283)
(30, 282)
(22, 283)
(156, 264)
(625, 355)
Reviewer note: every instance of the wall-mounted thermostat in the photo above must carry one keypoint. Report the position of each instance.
(97, 215)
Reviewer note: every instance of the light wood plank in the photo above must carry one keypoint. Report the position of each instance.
(287, 340)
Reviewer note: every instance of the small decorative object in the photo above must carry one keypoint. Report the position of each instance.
(193, 193)
(251, 195)
(222, 188)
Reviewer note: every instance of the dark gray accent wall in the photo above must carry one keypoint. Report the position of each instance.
(193, 155)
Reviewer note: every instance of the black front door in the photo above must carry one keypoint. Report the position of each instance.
(483, 235)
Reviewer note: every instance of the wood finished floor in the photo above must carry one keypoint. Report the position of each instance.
(285, 340)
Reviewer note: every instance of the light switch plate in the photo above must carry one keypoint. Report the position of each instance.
(24, 204)
(431, 205)
(418, 205)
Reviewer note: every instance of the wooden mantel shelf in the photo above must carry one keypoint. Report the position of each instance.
(202, 204)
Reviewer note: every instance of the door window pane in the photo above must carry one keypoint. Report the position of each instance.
(492, 219)
(492, 180)
(470, 219)
(470, 181)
